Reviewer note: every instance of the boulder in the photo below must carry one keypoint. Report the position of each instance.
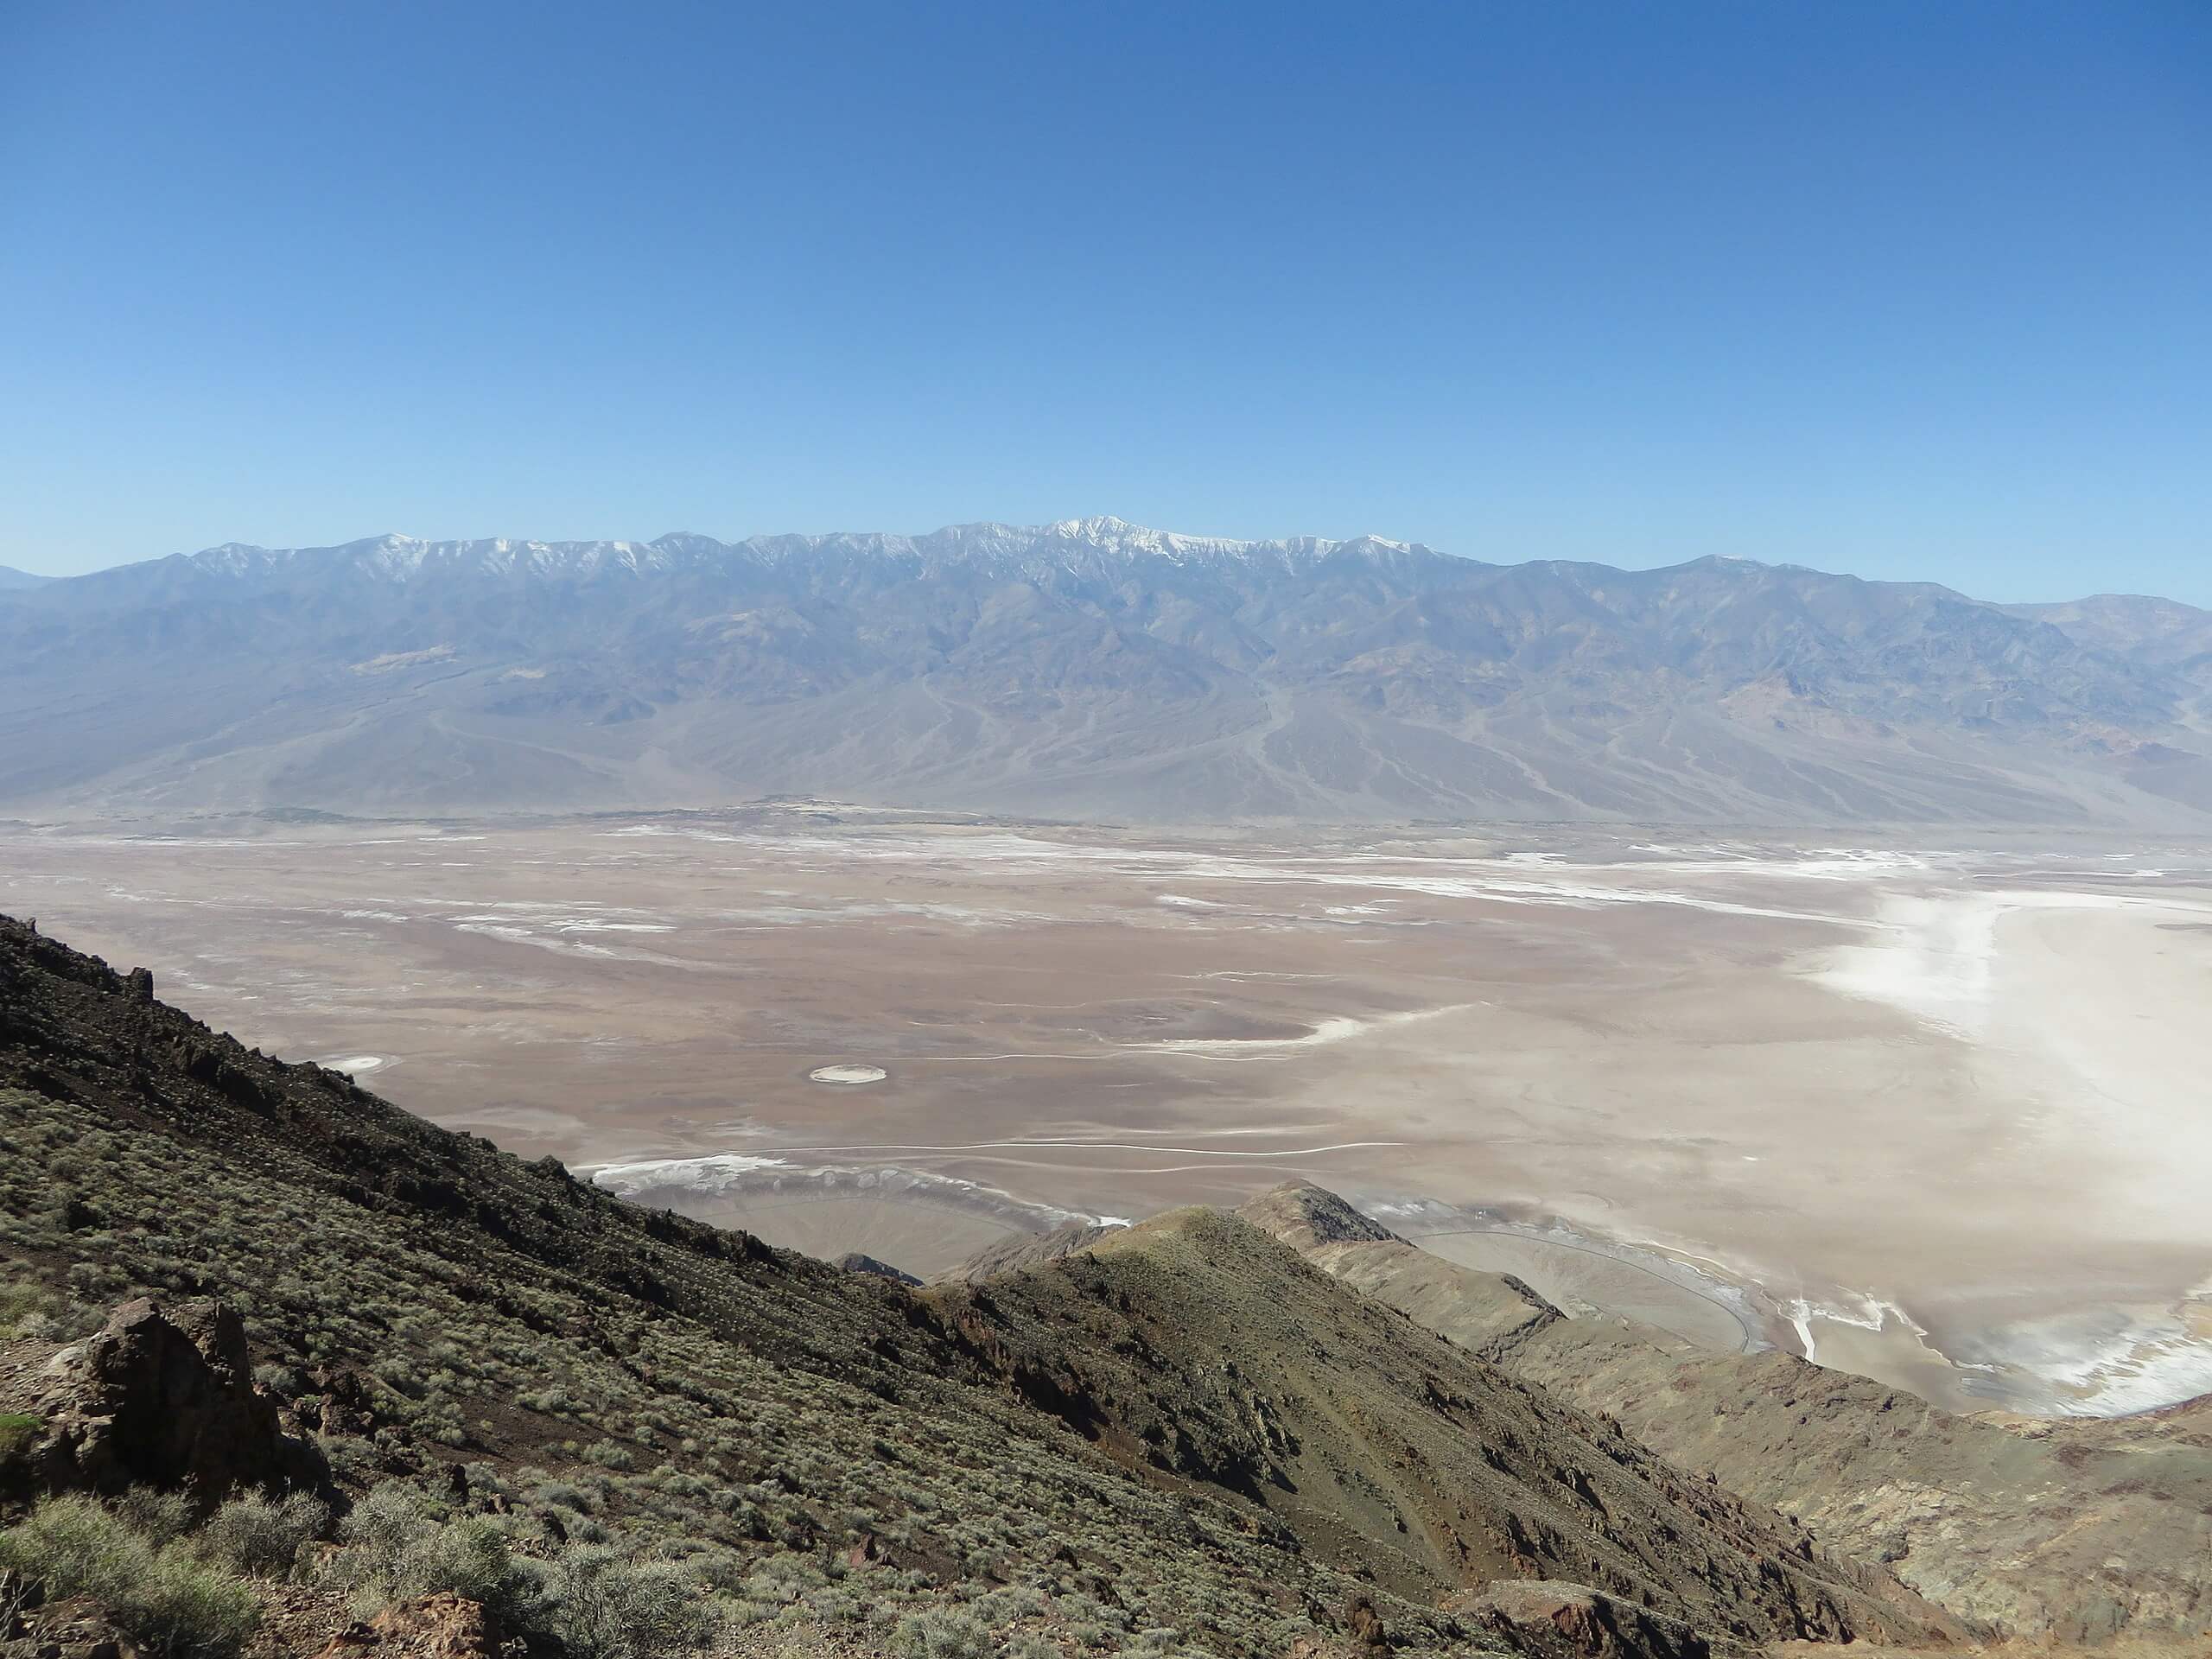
(442, 1626)
(161, 1397)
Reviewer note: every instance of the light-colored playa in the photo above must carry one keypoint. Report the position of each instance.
(847, 1075)
(1958, 1088)
(2088, 1008)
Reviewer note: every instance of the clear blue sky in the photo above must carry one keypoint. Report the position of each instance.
(1912, 291)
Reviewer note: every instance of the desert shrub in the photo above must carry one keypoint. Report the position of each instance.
(601, 1605)
(1013, 1603)
(162, 1595)
(262, 1537)
(610, 1455)
(594, 1602)
(351, 1461)
(16, 1429)
(836, 1607)
(559, 1494)
(157, 1515)
(392, 1548)
(280, 1380)
(944, 1632)
(31, 1310)
(24, 1311)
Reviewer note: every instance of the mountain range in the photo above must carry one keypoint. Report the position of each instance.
(1091, 669)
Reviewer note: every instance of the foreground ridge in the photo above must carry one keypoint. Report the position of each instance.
(2075, 1530)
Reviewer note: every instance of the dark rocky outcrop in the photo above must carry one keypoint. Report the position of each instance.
(857, 1261)
(441, 1626)
(163, 1396)
(1304, 1216)
(1550, 1618)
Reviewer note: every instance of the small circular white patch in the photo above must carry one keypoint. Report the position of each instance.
(355, 1066)
(847, 1074)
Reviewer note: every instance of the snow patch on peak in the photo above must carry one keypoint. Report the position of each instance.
(1076, 546)
(1107, 528)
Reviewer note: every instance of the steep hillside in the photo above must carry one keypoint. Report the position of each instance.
(1194, 1342)
(1091, 668)
(2076, 1530)
(1188, 1439)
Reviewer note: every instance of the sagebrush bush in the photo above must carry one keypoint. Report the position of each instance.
(17, 1429)
(262, 1537)
(601, 1605)
(158, 1515)
(943, 1632)
(596, 1601)
(393, 1547)
(611, 1455)
(162, 1595)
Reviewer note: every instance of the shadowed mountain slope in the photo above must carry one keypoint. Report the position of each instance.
(1194, 1342)
(1088, 667)
(1186, 1429)
(2076, 1530)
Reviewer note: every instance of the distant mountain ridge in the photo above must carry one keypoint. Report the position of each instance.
(1091, 668)
(12, 580)
(1074, 545)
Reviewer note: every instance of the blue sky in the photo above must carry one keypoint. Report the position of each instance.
(1914, 290)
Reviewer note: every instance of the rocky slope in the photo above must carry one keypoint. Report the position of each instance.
(1091, 668)
(1194, 1342)
(1184, 1439)
(2069, 1530)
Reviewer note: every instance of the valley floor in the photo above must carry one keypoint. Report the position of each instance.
(1929, 1114)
